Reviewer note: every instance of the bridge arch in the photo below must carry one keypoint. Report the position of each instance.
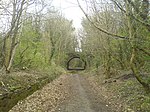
(76, 57)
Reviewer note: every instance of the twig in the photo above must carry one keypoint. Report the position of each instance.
(100, 29)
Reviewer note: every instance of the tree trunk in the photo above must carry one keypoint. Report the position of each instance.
(133, 37)
(13, 49)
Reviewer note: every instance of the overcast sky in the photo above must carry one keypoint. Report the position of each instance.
(71, 10)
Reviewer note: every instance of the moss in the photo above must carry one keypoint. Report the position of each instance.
(19, 85)
(132, 94)
(145, 107)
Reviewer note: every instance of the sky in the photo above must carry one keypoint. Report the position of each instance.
(71, 11)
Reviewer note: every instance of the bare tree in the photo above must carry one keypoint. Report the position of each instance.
(10, 41)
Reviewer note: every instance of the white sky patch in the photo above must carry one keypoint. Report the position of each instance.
(71, 11)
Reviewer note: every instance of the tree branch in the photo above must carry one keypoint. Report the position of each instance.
(100, 29)
(131, 15)
(146, 52)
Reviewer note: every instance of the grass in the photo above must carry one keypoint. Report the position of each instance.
(132, 95)
(125, 91)
(19, 84)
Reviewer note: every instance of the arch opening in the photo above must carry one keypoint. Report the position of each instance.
(76, 63)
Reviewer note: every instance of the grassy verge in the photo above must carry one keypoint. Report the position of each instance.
(20, 84)
(132, 95)
(124, 94)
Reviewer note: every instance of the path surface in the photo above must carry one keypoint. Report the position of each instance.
(69, 93)
(82, 98)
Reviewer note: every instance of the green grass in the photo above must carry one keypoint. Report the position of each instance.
(133, 95)
(127, 92)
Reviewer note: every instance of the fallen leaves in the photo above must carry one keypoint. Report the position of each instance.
(45, 99)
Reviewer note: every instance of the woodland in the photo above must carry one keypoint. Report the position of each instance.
(115, 37)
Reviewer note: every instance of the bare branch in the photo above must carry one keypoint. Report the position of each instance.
(131, 15)
(100, 29)
(144, 51)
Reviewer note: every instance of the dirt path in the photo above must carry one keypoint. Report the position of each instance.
(69, 93)
(82, 99)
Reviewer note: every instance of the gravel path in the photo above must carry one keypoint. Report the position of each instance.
(82, 98)
(69, 93)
